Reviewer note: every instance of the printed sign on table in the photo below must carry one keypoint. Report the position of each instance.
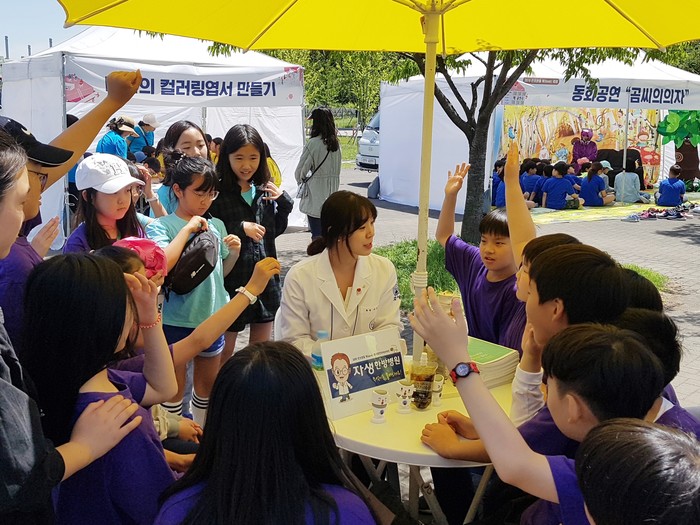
(354, 366)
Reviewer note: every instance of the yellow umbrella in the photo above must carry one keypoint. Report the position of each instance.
(451, 26)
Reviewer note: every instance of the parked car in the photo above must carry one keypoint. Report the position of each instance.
(368, 146)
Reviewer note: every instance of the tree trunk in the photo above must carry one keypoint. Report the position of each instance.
(473, 204)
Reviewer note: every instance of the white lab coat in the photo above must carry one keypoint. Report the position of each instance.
(311, 301)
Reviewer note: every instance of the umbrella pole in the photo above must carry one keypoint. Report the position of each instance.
(419, 278)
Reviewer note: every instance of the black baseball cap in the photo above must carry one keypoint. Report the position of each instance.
(43, 154)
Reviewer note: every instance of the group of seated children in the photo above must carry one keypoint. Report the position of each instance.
(605, 354)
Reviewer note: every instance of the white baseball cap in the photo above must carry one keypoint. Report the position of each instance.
(150, 119)
(105, 173)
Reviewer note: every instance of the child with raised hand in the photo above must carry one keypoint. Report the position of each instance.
(632, 471)
(194, 185)
(593, 187)
(268, 454)
(485, 275)
(594, 373)
(124, 484)
(256, 210)
(106, 210)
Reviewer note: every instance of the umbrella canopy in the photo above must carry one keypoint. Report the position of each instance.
(469, 25)
(449, 26)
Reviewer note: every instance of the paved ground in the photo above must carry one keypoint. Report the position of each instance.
(668, 247)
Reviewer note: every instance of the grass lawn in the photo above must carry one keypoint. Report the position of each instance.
(348, 146)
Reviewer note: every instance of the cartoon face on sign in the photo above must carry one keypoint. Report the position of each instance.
(340, 367)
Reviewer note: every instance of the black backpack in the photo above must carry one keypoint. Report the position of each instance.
(199, 258)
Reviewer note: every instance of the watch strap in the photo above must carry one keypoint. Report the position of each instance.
(242, 290)
(471, 367)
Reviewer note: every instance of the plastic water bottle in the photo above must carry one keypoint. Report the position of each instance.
(316, 358)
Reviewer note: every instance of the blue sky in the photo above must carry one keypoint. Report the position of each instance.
(33, 22)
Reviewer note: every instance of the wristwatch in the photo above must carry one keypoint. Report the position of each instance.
(252, 298)
(463, 370)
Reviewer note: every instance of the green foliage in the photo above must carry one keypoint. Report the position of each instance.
(680, 125)
(659, 280)
(348, 147)
(404, 255)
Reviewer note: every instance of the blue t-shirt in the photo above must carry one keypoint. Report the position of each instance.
(529, 183)
(145, 138)
(114, 144)
(167, 198)
(496, 182)
(590, 190)
(573, 179)
(672, 191)
(501, 194)
(557, 190)
(191, 309)
(537, 192)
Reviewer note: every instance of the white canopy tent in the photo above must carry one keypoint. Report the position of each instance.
(643, 85)
(181, 80)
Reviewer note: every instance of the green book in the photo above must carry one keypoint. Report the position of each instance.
(483, 352)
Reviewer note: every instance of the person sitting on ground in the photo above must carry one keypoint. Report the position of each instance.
(267, 455)
(529, 180)
(604, 175)
(573, 179)
(627, 186)
(558, 193)
(496, 179)
(593, 187)
(672, 190)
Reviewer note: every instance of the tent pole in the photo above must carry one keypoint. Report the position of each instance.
(419, 278)
(627, 127)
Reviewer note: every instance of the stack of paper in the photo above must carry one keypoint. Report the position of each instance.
(496, 363)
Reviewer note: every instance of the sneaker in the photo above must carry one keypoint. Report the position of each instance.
(673, 215)
(634, 217)
(646, 215)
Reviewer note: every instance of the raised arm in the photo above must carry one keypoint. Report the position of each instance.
(520, 225)
(121, 86)
(158, 370)
(446, 221)
(514, 461)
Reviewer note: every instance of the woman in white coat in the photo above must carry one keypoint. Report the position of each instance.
(344, 288)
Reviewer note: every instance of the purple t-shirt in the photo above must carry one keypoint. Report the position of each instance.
(489, 307)
(77, 242)
(122, 486)
(681, 419)
(14, 272)
(571, 505)
(352, 510)
(513, 335)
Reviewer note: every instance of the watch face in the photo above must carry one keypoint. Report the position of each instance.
(462, 369)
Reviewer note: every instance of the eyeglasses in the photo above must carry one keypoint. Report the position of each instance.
(43, 178)
(211, 195)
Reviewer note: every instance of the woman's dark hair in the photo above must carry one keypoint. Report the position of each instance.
(642, 292)
(342, 214)
(127, 226)
(181, 170)
(495, 222)
(633, 471)
(660, 334)
(323, 125)
(539, 244)
(12, 160)
(127, 260)
(613, 370)
(74, 315)
(237, 137)
(169, 141)
(268, 447)
(595, 169)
